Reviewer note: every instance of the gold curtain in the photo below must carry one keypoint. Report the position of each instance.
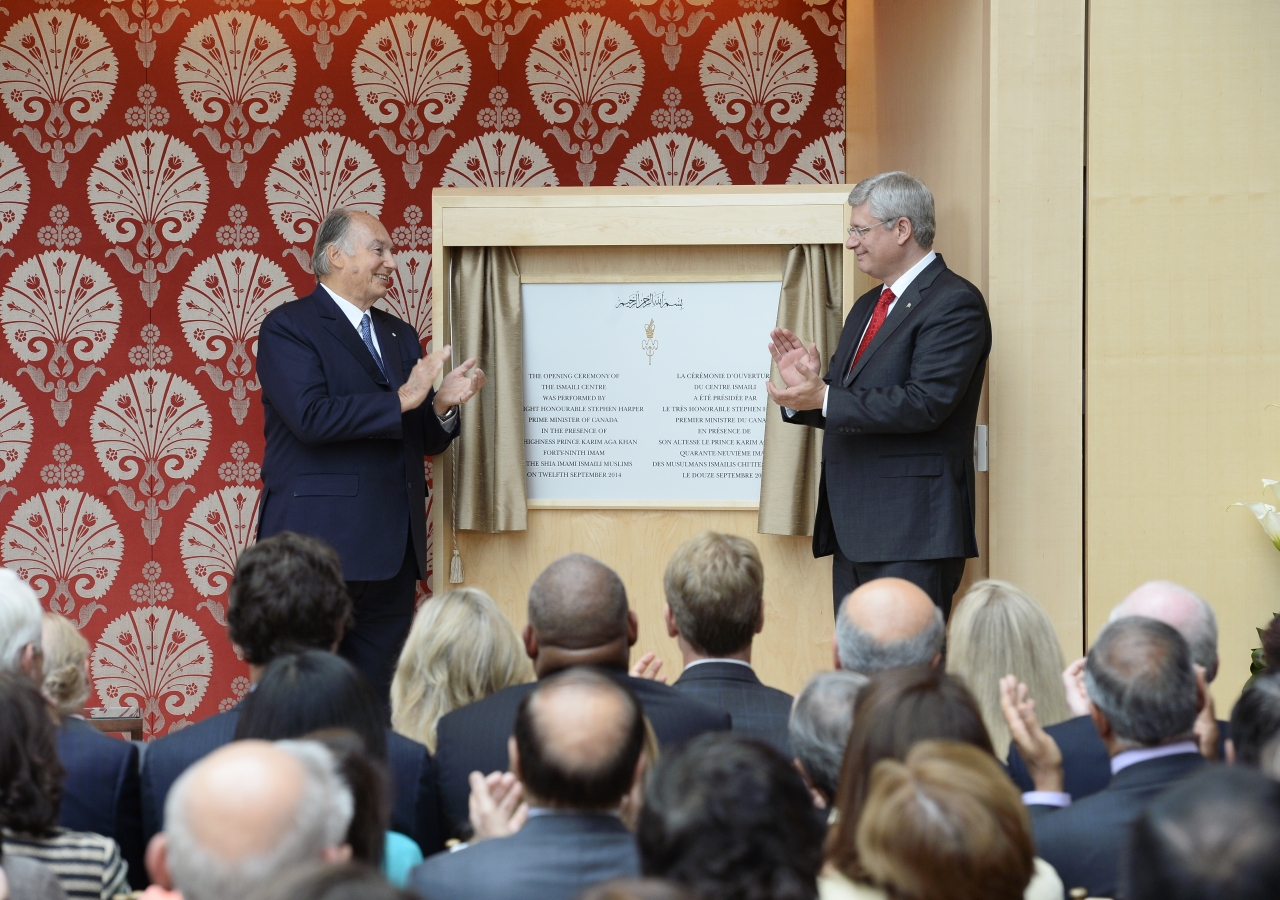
(484, 320)
(811, 305)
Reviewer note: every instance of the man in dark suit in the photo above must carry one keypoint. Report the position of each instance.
(898, 404)
(349, 413)
(100, 788)
(577, 749)
(714, 585)
(287, 594)
(1086, 764)
(578, 616)
(1145, 694)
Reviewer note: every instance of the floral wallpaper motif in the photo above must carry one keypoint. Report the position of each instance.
(163, 167)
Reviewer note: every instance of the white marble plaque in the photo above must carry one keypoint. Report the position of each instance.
(646, 393)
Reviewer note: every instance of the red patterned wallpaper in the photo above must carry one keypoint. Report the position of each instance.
(163, 166)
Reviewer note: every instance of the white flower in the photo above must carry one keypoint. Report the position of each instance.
(1268, 516)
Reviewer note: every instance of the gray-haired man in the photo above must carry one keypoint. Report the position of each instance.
(349, 412)
(898, 404)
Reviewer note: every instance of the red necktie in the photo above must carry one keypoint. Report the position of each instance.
(877, 319)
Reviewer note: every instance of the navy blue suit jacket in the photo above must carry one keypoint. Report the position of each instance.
(552, 857)
(897, 447)
(1086, 766)
(473, 738)
(414, 811)
(757, 710)
(342, 463)
(100, 792)
(1084, 842)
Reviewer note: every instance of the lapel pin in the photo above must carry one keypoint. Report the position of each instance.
(393, 334)
(908, 306)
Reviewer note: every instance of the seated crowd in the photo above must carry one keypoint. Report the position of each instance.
(937, 761)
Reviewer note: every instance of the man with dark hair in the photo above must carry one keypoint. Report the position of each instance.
(729, 818)
(821, 721)
(1212, 836)
(578, 616)
(577, 748)
(287, 594)
(1144, 695)
(1255, 720)
(714, 585)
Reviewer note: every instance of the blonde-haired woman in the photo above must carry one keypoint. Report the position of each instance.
(66, 665)
(460, 649)
(998, 630)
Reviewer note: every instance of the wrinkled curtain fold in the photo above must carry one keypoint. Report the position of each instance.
(484, 320)
(810, 304)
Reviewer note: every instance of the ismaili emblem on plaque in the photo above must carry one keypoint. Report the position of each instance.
(649, 344)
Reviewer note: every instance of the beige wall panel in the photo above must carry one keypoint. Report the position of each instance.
(1183, 200)
(795, 643)
(1036, 295)
(751, 262)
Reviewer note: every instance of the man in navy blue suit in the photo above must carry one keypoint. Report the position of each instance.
(350, 412)
(287, 594)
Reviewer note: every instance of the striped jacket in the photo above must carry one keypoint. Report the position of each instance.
(87, 865)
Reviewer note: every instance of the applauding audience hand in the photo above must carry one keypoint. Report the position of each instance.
(649, 666)
(1039, 751)
(497, 805)
(1073, 683)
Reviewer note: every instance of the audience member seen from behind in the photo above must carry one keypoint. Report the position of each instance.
(577, 751)
(714, 587)
(21, 650)
(888, 623)
(896, 711)
(460, 649)
(1255, 720)
(730, 819)
(945, 823)
(26, 879)
(1145, 694)
(310, 691)
(332, 881)
(247, 813)
(1212, 837)
(821, 720)
(372, 842)
(66, 666)
(997, 630)
(88, 866)
(578, 616)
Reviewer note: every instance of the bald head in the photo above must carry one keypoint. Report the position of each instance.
(249, 810)
(578, 603)
(888, 623)
(1182, 609)
(578, 737)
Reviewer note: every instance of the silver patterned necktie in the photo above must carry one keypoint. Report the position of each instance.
(367, 336)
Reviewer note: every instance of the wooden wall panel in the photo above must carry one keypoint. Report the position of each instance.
(1183, 200)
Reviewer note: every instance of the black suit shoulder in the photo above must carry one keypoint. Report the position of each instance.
(757, 710)
(168, 757)
(101, 791)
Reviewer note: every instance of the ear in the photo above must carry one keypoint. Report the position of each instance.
(31, 663)
(819, 801)
(902, 230)
(530, 642)
(835, 654)
(760, 621)
(334, 254)
(633, 628)
(670, 618)
(513, 757)
(157, 861)
(1100, 722)
(338, 855)
(936, 661)
(1229, 751)
(642, 765)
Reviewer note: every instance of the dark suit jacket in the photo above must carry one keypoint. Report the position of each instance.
(553, 857)
(101, 793)
(473, 738)
(757, 710)
(897, 450)
(1084, 842)
(415, 808)
(342, 463)
(1086, 767)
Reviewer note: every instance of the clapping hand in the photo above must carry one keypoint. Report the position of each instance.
(649, 667)
(1039, 750)
(800, 368)
(1073, 684)
(496, 805)
(422, 376)
(459, 386)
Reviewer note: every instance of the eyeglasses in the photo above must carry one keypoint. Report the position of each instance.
(862, 232)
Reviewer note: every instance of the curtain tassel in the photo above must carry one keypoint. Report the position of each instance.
(455, 568)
